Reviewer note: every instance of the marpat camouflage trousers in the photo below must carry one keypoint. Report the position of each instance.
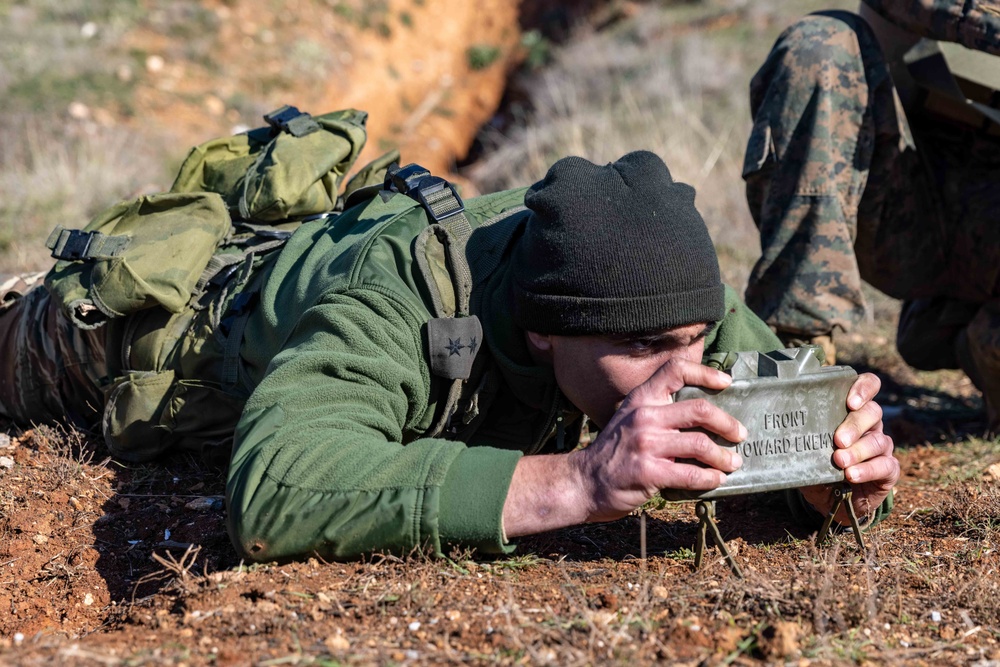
(844, 187)
(49, 369)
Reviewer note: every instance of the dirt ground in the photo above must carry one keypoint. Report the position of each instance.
(111, 564)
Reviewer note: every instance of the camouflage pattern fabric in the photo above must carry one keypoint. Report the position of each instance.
(978, 350)
(50, 370)
(843, 187)
(971, 23)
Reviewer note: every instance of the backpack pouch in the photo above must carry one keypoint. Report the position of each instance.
(148, 413)
(139, 254)
(270, 174)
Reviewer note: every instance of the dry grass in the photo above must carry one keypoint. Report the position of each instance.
(674, 80)
(54, 172)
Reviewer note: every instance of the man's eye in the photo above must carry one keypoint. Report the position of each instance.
(642, 345)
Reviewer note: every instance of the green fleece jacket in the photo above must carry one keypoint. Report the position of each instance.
(329, 456)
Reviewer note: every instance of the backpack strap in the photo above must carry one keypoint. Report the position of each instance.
(455, 334)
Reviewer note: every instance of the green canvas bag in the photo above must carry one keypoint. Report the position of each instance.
(154, 251)
(292, 168)
(163, 271)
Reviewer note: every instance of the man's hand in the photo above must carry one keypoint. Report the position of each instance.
(634, 456)
(864, 452)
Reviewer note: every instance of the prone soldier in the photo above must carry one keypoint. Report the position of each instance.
(414, 371)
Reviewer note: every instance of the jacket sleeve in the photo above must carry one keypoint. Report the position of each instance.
(319, 466)
(972, 23)
(807, 515)
(740, 330)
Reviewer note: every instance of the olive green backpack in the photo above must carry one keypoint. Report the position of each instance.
(164, 272)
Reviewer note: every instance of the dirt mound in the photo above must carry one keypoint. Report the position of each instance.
(430, 73)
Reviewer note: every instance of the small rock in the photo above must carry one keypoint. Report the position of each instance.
(155, 64)
(39, 539)
(214, 105)
(88, 600)
(77, 505)
(4, 441)
(994, 471)
(781, 640)
(78, 110)
(936, 616)
(88, 30)
(414, 626)
(661, 592)
(453, 615)
(205, 503)
(18, 638)
(337, 643)
(6, 462)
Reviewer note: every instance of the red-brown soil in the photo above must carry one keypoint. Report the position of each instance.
(104, 563)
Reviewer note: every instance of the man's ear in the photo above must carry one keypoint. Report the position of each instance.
(539, 347)
(540, 342)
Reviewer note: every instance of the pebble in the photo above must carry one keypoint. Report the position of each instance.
(4, 441)
(414, 626)
(205, 503)
(936, 616)
(6, 462)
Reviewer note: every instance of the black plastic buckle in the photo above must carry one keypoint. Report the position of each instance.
(417, 183)
(403, 179)
(289, 119)
(77, 245)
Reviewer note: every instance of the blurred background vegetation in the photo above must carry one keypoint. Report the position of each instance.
(102, 98)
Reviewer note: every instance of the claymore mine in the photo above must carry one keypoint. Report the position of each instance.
(791, 405)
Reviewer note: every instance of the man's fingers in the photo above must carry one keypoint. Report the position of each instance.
(863, 390)
(694, 413)
(870, 446)
(697, 446)
(857, 423)
(882, 471)
(689, 477)
(673, 375)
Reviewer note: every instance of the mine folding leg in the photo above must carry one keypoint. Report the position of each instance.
(705, 509)
(841, 494)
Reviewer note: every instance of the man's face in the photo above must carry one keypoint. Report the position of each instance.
(597, 372)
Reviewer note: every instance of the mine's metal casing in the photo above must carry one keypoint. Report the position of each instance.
(790, 405)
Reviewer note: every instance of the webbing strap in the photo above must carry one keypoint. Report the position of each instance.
(215, 266)
(240, 309)
(445, 208)
(74, 244)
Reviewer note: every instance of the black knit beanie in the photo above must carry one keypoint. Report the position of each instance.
(613, 249)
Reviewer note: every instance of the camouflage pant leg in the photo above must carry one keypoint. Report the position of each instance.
(49, 369)
(979, 355)
(830, 170)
